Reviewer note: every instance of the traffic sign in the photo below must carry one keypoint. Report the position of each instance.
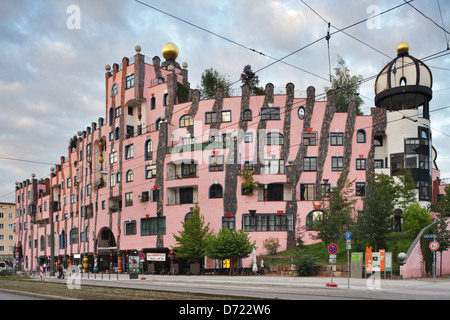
(428, 235)
(348, 236)
(141, 255)
(332, 248)
(434, 245)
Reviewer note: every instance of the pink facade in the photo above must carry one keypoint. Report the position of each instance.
(164, 152)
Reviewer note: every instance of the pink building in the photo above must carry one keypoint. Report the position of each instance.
(136, 174)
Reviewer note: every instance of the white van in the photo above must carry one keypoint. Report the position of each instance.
(2, 266)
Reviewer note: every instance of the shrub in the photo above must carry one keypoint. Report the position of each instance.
(304, 262)
(271, 245)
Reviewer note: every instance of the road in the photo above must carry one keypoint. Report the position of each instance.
(290, 288)
(15, 295)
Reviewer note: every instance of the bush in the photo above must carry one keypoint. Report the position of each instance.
(304, 262)
(271, 245)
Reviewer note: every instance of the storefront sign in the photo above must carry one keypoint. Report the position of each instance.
(156, 257)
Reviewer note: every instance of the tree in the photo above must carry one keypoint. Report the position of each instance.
(442, 236)
(416, 218)
(337, 212)
(248, 77)
(210, 81)
(375, 222)
(73, 142)
(191, 241)
(346, 87)
(229, 244)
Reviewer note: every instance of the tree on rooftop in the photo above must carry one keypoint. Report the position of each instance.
(211, 80)
(248, 77)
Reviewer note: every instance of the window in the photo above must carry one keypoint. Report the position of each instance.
(155, 195)
(210, 117)
(274, 166)
(74, 236)
(153, 226)
(248, 165)
(130, 176)
(88, 190)
(88, 151)
(301, 112)
(150, 171)
(267, 222)
(360, 164)
(229, 223)
(309, 139)
(424, 190)
(311, 218)
(186, 121)
(216, 163)
(189, 170)
(129, 151)
(274, 192)
(310, 164)
(148, 151)
(152, 103)
(129, 81)
(307, 191)
(130, 132)
(247, 115)
(360, 189)
(378, 163)
(378, 141)
(112, 180)
(270, 113)
(114, 89)
(274, 139)
(128, 199)
(215, 191)
(186, 195)
(325, 189)
(337, 138)
(130, 227)
(113, 157)
(145, 196)
(117, 112)
(248, 137)
(361, 136)
(226, 116)
(337, 163)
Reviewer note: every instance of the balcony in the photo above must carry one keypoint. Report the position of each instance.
(182, 195)
(182, 171)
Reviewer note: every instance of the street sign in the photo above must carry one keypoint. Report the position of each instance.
(349, 244)
(428, 235)
(332, 258)
(141, 255)
(348, 236)
(434, 245)
(332, 248)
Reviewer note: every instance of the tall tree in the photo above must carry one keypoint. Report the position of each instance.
(210, 81)
(375, 222)
(248, 77)
(346, 87)
(337, 208)
(191, 241)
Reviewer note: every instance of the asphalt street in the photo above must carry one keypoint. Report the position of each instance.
(270, 287)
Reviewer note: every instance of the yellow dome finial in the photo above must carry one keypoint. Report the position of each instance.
(403, 47)
(170, 51)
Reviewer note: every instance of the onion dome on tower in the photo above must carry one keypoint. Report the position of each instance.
(404, 83)
(170, 52)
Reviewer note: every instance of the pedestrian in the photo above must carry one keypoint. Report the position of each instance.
(60, 272)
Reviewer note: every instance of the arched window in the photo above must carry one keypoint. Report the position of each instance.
(111, 116)
(361, 136)
(247, 115)
(157, 124)
(312, 217)
(153, 103)
(274, 139)
(42, 240)
(62, 240)
(215, 191)
(116, 133)
(186, 121)
(130, 176)
(165, 99)
(74, 235)
(148, 152)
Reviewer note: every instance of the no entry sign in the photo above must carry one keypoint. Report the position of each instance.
(332, 248)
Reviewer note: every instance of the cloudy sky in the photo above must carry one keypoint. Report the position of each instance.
(54, 53)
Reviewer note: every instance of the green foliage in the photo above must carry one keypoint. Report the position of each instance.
(191, 242)
(248, 184)
(304, 261)
(73, 142)
(416, 218)
(337, 212)
(248, 77)
(182, 93)
(271, 244)
(229, 244)
(210, 81)
(346, 87)
(443, 207)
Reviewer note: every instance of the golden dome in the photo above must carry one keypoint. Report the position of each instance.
(170, 51)
(403, 47)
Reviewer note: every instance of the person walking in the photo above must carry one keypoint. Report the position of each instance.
(60, 272)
